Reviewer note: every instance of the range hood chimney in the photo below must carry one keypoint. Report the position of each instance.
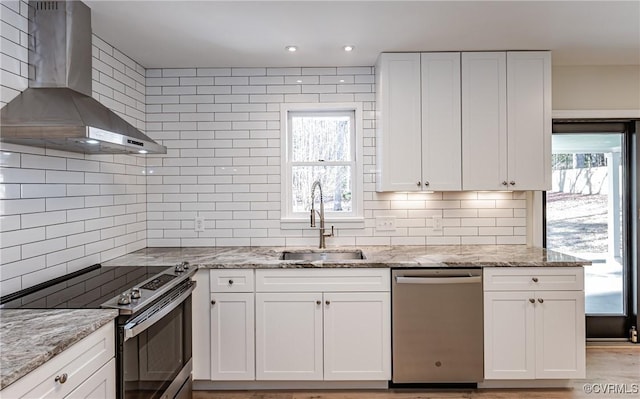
(57, 110)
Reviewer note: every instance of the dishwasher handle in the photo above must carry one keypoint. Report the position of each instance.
(439, 280)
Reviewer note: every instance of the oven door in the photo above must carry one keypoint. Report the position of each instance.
(155, 348)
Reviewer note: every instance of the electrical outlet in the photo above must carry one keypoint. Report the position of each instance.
(385, 223)
(199, 224)
(437, 223)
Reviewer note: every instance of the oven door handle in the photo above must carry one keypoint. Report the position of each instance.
(133, 329)
(439, 280)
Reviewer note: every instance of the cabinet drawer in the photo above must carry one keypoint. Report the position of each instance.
(231, 280)
(78, 362)
(322, 280)
(533, 278)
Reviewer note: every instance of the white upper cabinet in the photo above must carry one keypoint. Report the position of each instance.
(441, 131)
(398, 144)
(418, 121)
(506, 120)
(529, 120)
(463, 121)
(484, 121)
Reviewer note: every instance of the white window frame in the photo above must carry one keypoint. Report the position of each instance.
(353, 219)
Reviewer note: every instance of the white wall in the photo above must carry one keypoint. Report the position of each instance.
(596, 87)
(62, 211)
(222, 128)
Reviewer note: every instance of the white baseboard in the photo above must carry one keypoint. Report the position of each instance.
(200, 385)
(512, 384)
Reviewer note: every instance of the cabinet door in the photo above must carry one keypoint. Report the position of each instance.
(484, 121)
(101, 385)
(398, 140)
(509, 340)
(288, 336)
(232, 336)
(529, 120)
(441, 125)
(357, 338)
(560, 334)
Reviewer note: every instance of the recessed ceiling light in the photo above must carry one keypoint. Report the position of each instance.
(348, 48)
(299, 81)
(341, 80)
(291, 49)
(91, 141)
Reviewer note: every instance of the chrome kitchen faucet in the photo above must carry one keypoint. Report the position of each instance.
(323, 236)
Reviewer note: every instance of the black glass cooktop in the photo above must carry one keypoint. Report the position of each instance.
(86, 289)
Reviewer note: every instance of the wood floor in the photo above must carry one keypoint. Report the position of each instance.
(605, 365)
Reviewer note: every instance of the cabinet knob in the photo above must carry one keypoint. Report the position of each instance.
(61, 378)
(418, 183)
(318, 302)
(504, 183)
(213, 302)
(327, 302)
(426, 184)
(540, 300)
(535, 279)
(532, 300)
(230, 282)
(512, 183)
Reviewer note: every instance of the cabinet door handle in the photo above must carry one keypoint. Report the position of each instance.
(504, 183)
(532, 300)
(327, 303)
(230, 282)
(535, 279)
(318, 302)
(540, 300)
(426, 184)
(213, 302)
(512, 183)
(418, 183)
(61, 378)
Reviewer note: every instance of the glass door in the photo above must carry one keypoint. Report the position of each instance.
(586, 216)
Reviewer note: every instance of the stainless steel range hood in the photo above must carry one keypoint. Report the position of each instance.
(57, 110)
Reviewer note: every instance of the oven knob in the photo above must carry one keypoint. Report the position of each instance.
(179, 268)
(135, 293)
(124, 299)
(185, 264)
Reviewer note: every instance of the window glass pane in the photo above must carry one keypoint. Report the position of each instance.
(336, 188)
(318, 137)
(585, 213)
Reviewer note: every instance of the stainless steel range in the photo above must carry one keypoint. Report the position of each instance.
(153, 330)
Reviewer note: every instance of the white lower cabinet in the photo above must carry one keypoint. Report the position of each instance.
(295, 325)
(101, 385)
(232, 336)
(356, 336)
(340, 330)
(534, 333)
(232, 325)
(289, 336)
(84, 370)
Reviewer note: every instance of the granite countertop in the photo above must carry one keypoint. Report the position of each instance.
(30, 337)
(380, 257)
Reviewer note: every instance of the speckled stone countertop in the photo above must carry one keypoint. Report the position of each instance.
(30, 337)
(383, 256)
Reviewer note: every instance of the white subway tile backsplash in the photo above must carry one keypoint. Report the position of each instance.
(43, 247)
(222, 130)
(49, 214)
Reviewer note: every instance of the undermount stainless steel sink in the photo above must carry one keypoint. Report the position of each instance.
(322, 255)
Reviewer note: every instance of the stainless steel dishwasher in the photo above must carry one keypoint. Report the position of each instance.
(437, 325)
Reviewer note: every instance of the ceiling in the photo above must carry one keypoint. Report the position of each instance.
(254, 33)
